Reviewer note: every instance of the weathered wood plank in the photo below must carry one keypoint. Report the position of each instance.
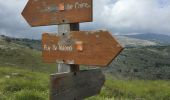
(66, 28)
(54, 12)
(76, 86)
(97, 48)
(63, 29)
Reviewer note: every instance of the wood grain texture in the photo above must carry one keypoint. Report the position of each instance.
(71, 86)
(54, 12)
(66, 28)
(61, 29)
(99, 48)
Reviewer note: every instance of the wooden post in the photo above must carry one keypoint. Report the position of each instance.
(65, 29)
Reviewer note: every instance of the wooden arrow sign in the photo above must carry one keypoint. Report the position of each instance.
(80, 47)
(71, 86)
(53, 12)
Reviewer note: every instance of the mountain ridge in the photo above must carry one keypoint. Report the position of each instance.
(123, 40)
(143, 62)
(159, 38)
(132, 42)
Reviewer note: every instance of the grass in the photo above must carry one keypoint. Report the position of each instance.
(19, 84)
(14, 55)
(134, 90)
(23, 76)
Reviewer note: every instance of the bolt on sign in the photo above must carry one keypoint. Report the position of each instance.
(96, 48)
(71, 86)
(53, 12)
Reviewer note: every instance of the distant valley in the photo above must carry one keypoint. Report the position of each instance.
(143, 63)
(133, 42)
(141, 70)
(141, 59)
(158, 38)
(124, 40)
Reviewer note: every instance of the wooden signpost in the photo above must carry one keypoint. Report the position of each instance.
(71, 47)
(96, 48)
(52, 12)
(71, 86)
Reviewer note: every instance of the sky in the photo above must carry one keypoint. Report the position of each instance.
(120, 17)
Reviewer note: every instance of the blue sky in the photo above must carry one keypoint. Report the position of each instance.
(163, 3)
(117, 16)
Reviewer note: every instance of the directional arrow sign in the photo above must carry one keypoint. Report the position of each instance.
(53, 12)
(80, 47)
(71, 86)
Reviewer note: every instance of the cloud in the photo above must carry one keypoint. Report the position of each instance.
(13, 24)
(118, 16)
(134, 16)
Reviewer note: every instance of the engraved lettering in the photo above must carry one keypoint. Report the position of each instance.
(65, 48)
(59, 47)
(55, 47)
(77, 5)
(47, 48)
(82, 5)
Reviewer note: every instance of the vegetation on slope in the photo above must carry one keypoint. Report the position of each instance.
(134, 90)
(12, 54)
(142, 63)
(30, 43)
(19, 84)
(23, 75)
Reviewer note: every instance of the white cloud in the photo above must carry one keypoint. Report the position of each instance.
(118, 16)
(129, 16)
(13, 24)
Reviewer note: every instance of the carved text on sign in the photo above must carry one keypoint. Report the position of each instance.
(55, 12)
(77, 5)
(67, 6)
(57, 47)
(97, 48)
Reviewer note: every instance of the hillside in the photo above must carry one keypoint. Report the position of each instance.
(124, 40)
(142, 59)
(30, 43)
(133, 42)
(159, 38)
(19, 84)
(15, 55)
(23, 75)
(142, 63)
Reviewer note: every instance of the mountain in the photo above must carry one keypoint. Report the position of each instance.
(23, 75)
(30, 43)
(159, 38)
(133, 42)
(144, 59)
(36, 44)
(14, 53)
(142, 63)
